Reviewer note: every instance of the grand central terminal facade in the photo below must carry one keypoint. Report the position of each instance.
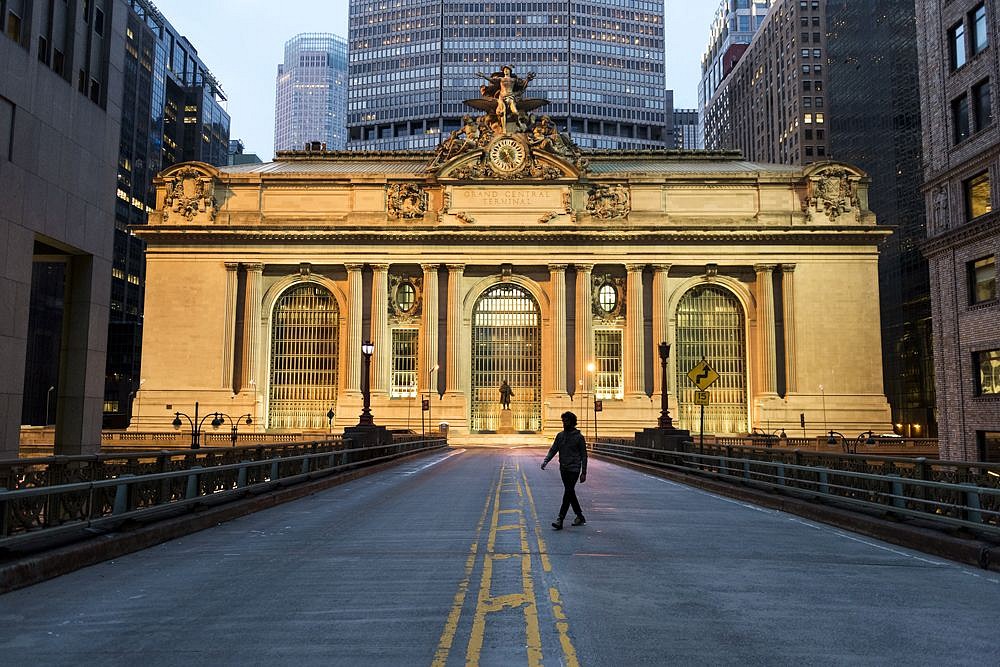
(510, 255)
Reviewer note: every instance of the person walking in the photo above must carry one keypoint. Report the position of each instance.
(572, 450)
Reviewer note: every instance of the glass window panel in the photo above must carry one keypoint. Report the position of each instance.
(978, 196)
(608, 364)
(304, 358)
(960, 118)
(956, 42)
(982, 98)
(403, 380)
(711, 326)
(983, 280)
(988, 365)
(980, 36)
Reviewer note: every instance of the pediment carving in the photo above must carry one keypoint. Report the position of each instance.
(190, 195)
(832, 195)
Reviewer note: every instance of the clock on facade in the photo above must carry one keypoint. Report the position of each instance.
(507, 154)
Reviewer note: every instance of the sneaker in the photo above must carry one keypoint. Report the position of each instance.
(558, 524)
(579, 520)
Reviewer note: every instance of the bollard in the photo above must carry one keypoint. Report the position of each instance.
(972, 506)
(824, 481)
(121, 496)
(897, 491)
(192, 483)
(241, 478)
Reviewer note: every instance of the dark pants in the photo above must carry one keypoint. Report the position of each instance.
(569, 478)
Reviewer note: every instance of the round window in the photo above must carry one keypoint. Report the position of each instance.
(607, 297)
(406, 295)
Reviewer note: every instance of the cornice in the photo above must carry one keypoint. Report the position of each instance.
(966, 233)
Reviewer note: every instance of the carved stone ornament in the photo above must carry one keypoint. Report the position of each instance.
(607, 296)
(609, 202)
(405, 298)
(939, 214)
(405, 201)
(189, 194)
(832, 192)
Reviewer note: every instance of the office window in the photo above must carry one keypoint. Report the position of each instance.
(820, 118)
(807, 118)
(960, 118)
(809, 151)
(982, 280)
(956, 45)
(6, 129)
(983, 104)
(978, 196)
(986, 366)
(14, 26)
(821, 150)
(818, 86)
(989, 446)
(980, 36)
(806, 85)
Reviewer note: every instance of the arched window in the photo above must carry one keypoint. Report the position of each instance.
(711, 325)
(506, 345)
(305, 334)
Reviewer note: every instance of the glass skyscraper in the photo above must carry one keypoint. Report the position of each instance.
(311, 93)
(600, 63)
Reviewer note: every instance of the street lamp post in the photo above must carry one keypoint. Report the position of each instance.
(430, 396)
(329, 416)
(234, 425)
(665, 422)
(366, 418)
(196, 424)
(593, 393)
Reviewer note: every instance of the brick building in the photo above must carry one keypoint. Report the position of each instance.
(958, 66)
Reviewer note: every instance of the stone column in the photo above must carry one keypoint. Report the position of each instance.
(352, 367)
(584, 327)
(788, 303)
(454, 374)
(661, 319)
(229, 332)
(558, 274)
(251, 326)
(429, 322)
(765, 327)
(382, 358)
(634, 362)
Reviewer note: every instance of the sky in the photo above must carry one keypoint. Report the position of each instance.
(243, 41)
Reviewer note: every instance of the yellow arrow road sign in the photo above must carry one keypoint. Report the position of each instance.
(703, 375)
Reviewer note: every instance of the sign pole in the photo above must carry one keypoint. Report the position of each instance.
(701, 434)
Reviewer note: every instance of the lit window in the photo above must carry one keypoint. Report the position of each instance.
(406, 296)
(807, 118)
(982, 280)
(978, 196)
(987, 363)
(607, 297)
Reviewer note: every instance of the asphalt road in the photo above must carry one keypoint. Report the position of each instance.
(450, 560)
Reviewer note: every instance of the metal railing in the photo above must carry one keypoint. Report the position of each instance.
(70, 493)
(952, 493)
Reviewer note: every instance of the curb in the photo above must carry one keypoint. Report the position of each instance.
(39, 567)
(967, 551)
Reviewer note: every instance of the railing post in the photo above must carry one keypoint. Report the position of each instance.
(163, 464)
(121, 496)
(275, 470)
(824, 481)
(241, 477)
(746, 469)
(3, 515)
(779, 472)
(797, 460)
(192, 483)
(305, 465)
(896, 483)
(972, 506)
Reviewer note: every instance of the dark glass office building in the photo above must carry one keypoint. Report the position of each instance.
(874, 123)
(600, 63)
(171, 112)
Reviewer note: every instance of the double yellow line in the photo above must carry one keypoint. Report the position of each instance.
(512, 508)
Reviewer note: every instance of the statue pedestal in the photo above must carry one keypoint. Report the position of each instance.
(506, 422)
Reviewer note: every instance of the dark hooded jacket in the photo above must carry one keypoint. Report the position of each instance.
(572, 450)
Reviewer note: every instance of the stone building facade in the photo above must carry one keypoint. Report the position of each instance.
(957, 43)
(511, 255)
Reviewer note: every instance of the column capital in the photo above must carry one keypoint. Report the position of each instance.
(354, 267)
(787, 268)
(661, 268)
(428, 268)
(232, 266)
(584, 267)
(764, 268)
(553, 268)
(379, 267)
(635, 268)
(256, 267)
(455, 268)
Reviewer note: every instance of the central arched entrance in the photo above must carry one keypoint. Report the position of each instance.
(305, 335)
(506, 345)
